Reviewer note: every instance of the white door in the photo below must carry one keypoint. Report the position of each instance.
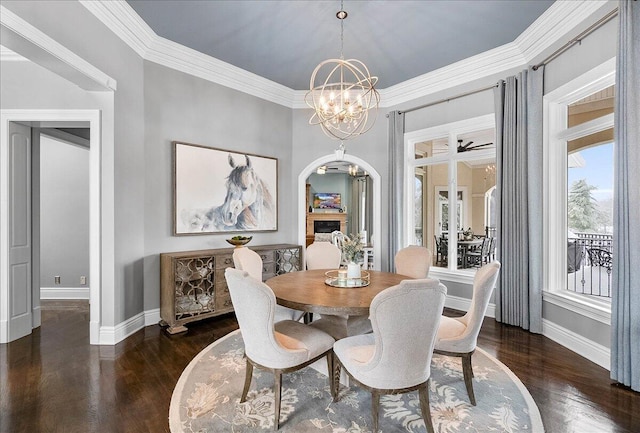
(20, 320)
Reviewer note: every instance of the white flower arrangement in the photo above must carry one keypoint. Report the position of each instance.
(352, 248)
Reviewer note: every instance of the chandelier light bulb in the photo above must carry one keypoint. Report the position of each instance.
(341, 118)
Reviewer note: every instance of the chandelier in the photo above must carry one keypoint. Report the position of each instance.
(345, 102)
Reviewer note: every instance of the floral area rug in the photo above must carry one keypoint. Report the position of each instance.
(207, 399)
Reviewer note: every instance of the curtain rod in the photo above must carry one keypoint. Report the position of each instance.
(595, 26)
(578, 39)
(447, 99)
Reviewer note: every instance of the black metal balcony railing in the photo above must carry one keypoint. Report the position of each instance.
(589, 260)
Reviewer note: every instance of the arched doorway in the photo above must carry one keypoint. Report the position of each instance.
(376, 236)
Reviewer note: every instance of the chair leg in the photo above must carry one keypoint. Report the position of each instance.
(467, 371)
(335, 380)
(375, 403)
(423, 393)
(330, 368)
(247, 381)
(277, 393)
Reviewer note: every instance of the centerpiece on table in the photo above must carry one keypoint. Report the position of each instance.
(352, 251)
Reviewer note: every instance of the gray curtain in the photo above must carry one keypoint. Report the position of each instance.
(518, 295)
(396, 190)
(361, 186)
(625, 304)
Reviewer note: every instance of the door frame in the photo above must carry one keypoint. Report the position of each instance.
(377, 200)
(95, 208)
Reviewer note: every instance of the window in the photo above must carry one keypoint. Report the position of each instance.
(451, 167)
(579, 193)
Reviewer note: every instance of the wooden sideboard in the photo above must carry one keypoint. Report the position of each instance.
(193, 287)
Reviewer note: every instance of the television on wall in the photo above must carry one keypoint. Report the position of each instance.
(326, 200)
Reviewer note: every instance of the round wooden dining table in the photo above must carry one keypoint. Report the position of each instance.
(307, 291)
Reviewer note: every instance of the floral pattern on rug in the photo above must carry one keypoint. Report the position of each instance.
(207, 399)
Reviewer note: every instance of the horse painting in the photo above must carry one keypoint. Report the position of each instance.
(248, 204)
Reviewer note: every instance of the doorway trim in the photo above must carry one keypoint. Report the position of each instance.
(95, 208)
(377, 200)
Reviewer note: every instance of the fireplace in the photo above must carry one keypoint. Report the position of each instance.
(326, 226)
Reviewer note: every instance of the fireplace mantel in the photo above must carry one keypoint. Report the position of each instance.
(317, 216)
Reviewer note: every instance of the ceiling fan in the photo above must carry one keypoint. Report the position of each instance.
(467, 147)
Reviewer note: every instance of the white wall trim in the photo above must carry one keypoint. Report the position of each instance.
(28, 41)
(152, 317)
(122, 20)
(584, 347)
(64, 293)
(562, 20)
(377, 200)
(555, 135)
(6, 55)
(96, 200)
(111, 335)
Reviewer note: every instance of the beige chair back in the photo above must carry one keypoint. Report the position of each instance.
(483, 284)
(248, 260)
(413, 261)
(323, 255)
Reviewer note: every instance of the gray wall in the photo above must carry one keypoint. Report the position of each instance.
(78, 30)
(180, 107)
(64, 213)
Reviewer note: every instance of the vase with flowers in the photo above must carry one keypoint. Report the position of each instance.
(352, 252)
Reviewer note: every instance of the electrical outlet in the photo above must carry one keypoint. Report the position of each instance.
(83, 280)
(56, 279)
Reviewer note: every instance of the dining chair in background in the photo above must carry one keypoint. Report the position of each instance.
(480, 256)
(279, 347)
(413, 261)
(458, 336)
(250, 261)
(324, 255)
(389, 361)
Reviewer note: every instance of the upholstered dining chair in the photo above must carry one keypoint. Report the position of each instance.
(389, 361)
(413, 261)
(250, 261)
(458, 336)
(280, 347)
(323, 255)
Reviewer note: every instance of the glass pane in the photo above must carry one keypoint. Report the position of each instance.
(437, 146)
(590, 214)
(418, 211)
(477, 140)
(476, 238)
(593, 106)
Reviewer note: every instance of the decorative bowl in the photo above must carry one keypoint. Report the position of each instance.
(239, 242)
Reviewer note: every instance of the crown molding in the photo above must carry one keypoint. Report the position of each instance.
(6, 55)
(122, 20)
(551, 28)
(558, 22)
(490, 62)
(33, 43)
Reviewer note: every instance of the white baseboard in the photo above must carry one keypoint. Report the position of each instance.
(111, 335)
(64, 293)
(584, 347)
(463, 304)
(152, 317)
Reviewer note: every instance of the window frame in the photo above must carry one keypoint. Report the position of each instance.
(452, 131)
(556, 133)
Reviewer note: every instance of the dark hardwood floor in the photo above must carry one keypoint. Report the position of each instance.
(54, 381)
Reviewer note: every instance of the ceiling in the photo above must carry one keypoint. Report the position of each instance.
(284, 41)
